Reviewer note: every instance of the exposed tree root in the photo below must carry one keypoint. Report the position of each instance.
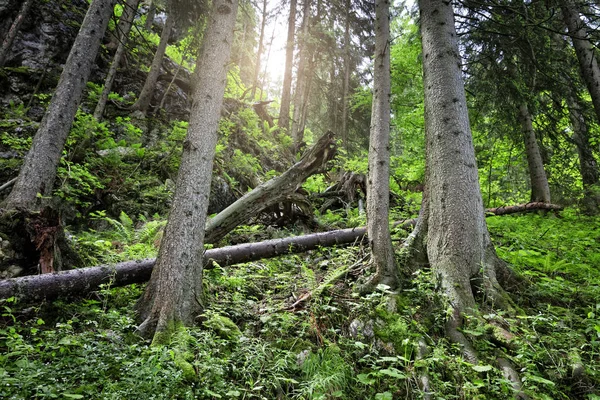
(509, 372)
(424, 382)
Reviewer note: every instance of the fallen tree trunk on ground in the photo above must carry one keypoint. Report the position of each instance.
(281, 188)
(537, 206)
(35, 288)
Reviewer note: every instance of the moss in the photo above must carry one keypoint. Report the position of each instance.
(223, 326)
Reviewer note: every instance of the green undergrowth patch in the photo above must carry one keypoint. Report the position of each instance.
(294, 327)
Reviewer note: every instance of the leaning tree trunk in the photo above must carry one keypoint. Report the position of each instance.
(378, 180)
(13, 30)
(588, 166)
(286, 94)
(143, 102)
(540, 190)
(125, 26)
(174, 294)
(150, 15)
(451, 231)
(276, 190)
(261, 45)
(585, 50)
(39, 168)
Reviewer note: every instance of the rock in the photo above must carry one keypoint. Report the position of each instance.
(359, 329)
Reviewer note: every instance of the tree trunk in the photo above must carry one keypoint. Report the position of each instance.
(143, 102)
(301, 81)
(150, 15)
(346, 86)
(12, 32)
(125, 24)
(174, 294)
(261, 46)
(35, 288)
(286, 94)
(585, 50)
(272, 192)
(451, 231)
(587, 162)
(378, 179)
(540, 190)
(39, 167)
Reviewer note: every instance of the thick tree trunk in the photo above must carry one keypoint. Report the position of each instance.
(298, 121)
(378, 179)
(143, 102)
(39, 168)
(261, 46)
(585, 50)
(346, 86)
(174, 294)
(272, 192)
(540, 190)
(13, 30)
(451, 231)
(125, 26)
(286, 94)
(150, 15)
(587, 162)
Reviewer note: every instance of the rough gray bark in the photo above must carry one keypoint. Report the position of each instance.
(540, 190)
(143, 102)
(346, 85)
(588, 166)
(39, 167)
(13, 30)
(125, 24)
(300, 93)
(174, 294)
(378, 179)
(584, 48)
(451, 231)
(150, 15)
(273, 191)
(31, 289)
(261, 46)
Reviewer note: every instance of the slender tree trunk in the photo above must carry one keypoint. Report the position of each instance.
(39, 167)
(261, 46)
(378, 180)
(125, 26)
(174, 294)
(540, 190)
(301, 81)
(143, 102)
(587, 162)
(14, 29)
(150, 15)
(286, 94)
(588, 63)
(451, 231)
(346, 87)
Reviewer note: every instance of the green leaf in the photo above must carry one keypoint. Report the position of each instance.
(482, 368)
(384, 396)
(393, 372)
(365, 379)
(72, 396)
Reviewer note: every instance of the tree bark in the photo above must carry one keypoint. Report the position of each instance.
(378, 179)
(301, 82)
(540, 190)
(346, 85)
(39, 167)
(261, 46)
(125, 26)
(588, 166)
(14, 29)
(272, 192)
(286, 94)
(150, 15)
(143, 102)
(588, 63)
(174, 295)
(451, 231)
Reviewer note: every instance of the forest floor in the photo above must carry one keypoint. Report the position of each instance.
(294, 328)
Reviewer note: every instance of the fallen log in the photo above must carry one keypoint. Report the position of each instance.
(36, 288)
(276, 190)
(524, 208)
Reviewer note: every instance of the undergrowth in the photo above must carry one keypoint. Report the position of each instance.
(255, 341)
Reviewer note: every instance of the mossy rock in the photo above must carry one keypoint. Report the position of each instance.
(223, 326)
